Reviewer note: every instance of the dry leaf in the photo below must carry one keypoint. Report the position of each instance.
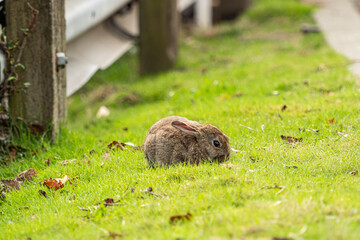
(281, 238)
(115, 235)
(47, 162)
(291, 139)
(26, 175)
(354, 173)
(109, 200)
(331, 120)
(103, 112)
(283, 108)
(43, 193)
(68, 161)
(115, 145)
(180, 218)
(11, 184)
(56, 183)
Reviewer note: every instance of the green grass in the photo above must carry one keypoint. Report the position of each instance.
(264, 57)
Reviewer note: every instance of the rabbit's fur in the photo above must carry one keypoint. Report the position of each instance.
(175, 140)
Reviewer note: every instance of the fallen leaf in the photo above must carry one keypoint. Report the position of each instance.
(92, 152)
(291, 139)
(11, 184)
(115, 235)
(109, 200)
(237, 95)
(47, 162)
(354, 173)
(331, 120)
(115, 145)
(26, 175)
(283, 108)
(56, 183)
(43, 193)
(180, 218)
(36, 128)
(68, 162)
(281, 238)
(103, 112)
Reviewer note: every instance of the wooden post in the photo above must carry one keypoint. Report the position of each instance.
(159, 23)
(43, 104)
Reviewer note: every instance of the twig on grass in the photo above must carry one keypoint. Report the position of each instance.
(246, 127)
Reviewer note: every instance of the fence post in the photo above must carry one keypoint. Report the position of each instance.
(43, 104)
(159, 23)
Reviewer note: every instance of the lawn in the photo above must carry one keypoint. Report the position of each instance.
(257, 78)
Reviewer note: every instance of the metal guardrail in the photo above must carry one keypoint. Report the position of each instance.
(91, 45)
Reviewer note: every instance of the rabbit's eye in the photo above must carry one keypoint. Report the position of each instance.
(216, 143)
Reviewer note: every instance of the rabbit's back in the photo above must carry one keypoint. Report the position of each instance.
(165, 123)
(165, 145)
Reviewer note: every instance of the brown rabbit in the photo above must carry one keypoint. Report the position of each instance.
(174, 140)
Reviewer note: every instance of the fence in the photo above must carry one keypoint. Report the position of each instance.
(92, 41)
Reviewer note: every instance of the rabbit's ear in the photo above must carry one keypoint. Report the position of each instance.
(185, 128)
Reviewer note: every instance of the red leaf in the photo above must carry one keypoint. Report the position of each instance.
(55, 184)
(331, 120)
(180, 218)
